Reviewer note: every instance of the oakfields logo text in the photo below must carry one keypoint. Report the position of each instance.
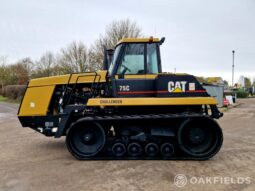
(180, 180)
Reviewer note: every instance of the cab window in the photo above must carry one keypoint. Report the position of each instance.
(152, 59)
(132, 61)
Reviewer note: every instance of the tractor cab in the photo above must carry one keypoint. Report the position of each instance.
(133, 66)
(134, 56)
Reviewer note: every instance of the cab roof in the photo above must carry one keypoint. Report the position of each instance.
(138, 40)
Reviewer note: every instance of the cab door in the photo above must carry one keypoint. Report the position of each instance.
(136, 70)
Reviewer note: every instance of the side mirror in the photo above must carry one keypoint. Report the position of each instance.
(162, 40)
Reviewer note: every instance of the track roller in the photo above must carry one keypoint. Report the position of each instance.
(151, 149)
(167, 150)
(134, 149)
(118, 149)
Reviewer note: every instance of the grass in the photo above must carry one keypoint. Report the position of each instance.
(2, 98)
(5, 99)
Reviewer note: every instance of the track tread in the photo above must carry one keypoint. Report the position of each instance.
(115, 118)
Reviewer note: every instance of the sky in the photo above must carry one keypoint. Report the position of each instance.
(200, 34)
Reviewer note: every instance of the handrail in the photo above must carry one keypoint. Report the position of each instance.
(84, 75)
(65, 90)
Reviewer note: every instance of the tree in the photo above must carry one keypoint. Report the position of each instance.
(225, 83)
(113, 33)
(23, 70)
(253, 82)
(44, 66)
(3, 73)
(74, 58)
(20, 74)
(7, 72)
(10, 76)
(247, 82)
(17, 73)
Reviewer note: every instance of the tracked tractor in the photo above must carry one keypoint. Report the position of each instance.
(129, 110)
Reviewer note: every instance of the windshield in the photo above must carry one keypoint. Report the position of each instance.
(133, 60)
(115, 56)
(136, 58)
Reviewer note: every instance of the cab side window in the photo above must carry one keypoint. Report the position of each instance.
(152, 59)
(132, 61)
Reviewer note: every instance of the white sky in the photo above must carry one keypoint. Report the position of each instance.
(200, 34)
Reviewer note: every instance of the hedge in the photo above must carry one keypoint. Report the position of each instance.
(242, 94)
(14, 92)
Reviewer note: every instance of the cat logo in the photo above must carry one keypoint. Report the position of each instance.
(176, 87)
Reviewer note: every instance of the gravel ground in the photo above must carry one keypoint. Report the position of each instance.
(31, 162)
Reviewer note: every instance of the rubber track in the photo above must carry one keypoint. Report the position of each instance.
(143, 117)
(140, 117)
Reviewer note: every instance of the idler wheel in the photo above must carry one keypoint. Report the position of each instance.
(85, 140)
(200, 137)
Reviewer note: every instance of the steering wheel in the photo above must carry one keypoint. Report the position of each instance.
(125, 69)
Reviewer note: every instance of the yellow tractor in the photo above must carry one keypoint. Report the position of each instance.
(129, 110)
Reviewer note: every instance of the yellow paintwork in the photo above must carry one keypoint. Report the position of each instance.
(137, 40)
(63, 79)
(151, 101)
(36, 101)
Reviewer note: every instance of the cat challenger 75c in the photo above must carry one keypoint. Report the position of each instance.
(129, 110)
